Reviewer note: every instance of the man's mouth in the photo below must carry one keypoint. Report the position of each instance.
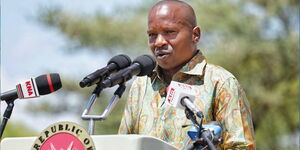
(162, 54)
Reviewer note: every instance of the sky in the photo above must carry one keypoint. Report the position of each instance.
(29, 49)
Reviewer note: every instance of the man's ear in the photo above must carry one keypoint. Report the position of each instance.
(196, 34)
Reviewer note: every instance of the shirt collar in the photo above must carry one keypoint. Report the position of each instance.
(195, 66)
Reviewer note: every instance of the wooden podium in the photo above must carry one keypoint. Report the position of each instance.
(102, 142)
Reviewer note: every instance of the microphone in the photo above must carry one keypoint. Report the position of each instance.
(114, 64)
(182, 96)
(210, 136)
(141, 66)
(212, 129)
(34, 87)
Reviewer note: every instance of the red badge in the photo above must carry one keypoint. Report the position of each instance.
(64, 136)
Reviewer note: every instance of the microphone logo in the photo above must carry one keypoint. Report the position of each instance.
(29, 88)
(171, 95)
(185, 86)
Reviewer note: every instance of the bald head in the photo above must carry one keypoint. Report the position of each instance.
(173, 34)
(175, 8)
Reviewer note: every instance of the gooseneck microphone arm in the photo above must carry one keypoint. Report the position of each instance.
(85, 116)
(7, 114)
(91, 102)
(141, 66)
(201, 132)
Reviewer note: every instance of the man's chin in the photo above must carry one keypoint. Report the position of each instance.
(169, 66)
(165, 66)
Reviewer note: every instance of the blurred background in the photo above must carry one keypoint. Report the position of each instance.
(258, 41)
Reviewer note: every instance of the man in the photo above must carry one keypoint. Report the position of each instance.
(173, 36)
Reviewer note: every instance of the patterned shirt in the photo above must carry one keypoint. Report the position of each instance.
(218, 95)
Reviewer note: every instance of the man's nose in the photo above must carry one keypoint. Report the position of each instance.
(160, 41)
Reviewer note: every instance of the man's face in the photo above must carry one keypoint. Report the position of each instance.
(170, 37)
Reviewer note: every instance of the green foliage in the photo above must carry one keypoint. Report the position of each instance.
(266, 65)
(22, 130)
(109, 32)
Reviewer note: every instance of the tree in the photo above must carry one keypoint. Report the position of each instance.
(10, 130)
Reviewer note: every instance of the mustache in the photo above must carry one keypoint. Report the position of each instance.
(164, 47)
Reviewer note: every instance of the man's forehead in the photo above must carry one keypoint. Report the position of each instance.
(163, 10)
(165, 24)
(173, 11)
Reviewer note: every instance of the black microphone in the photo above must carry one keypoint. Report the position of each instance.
(114, 64)
(34, 87)
(141, 66)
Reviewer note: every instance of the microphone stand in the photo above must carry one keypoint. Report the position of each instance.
(202, 137)
(6, 115)
(85, 116)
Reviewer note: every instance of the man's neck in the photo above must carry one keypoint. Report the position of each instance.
(168, 74)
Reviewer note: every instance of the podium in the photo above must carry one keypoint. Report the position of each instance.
(102, 142)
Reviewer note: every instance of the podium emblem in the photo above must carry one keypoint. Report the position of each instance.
(64, 136)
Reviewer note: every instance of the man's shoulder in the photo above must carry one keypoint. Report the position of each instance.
(217, 73)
